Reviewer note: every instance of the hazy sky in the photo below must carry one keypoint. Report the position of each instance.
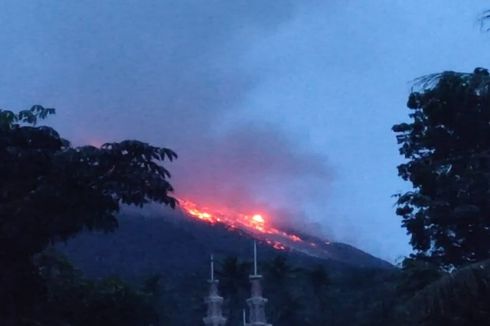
(283, 106)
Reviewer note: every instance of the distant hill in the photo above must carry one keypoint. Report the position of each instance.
(174, 244)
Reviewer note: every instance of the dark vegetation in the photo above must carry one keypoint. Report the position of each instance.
(447, 144)
(51, 192)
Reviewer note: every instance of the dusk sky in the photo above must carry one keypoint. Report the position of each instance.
(281, 106)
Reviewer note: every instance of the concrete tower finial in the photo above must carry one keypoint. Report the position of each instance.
(256, 303)
(255, 258)
(214, 315)
(212, 268)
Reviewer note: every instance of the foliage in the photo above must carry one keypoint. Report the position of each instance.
(281, 281)
(415, 275)
(74, 300)
(50, 191)
(233, 275)
(447, 147)
(319, 281)
(460, 298)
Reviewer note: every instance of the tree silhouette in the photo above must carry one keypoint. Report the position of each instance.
(447, 145)
(50, 191)
(286, 302)
(319, 281)
(233, 277)
(74, 300)
(457, 299)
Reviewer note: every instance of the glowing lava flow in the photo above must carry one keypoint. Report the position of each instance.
(252, 223)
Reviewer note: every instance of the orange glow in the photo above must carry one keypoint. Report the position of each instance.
(200, 215)
(279, 246)
(258, 218)
(276, 245)
(255, 224)
(294, 238)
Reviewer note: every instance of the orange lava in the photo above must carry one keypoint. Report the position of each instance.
(254, 223)
(294, 237)
(257, 218)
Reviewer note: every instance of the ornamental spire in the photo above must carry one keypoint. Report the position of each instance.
(255, 258)
(212, 268)
(214, 315)
(256, 303)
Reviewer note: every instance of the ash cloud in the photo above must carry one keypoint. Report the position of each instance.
(170, 73)
(255, 166)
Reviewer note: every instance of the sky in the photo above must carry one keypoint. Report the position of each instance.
(283, 106)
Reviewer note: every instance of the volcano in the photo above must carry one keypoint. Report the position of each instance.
(177, 244)
(259, 227)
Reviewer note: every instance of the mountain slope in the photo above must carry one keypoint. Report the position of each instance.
(175, 245)
(177, 248)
